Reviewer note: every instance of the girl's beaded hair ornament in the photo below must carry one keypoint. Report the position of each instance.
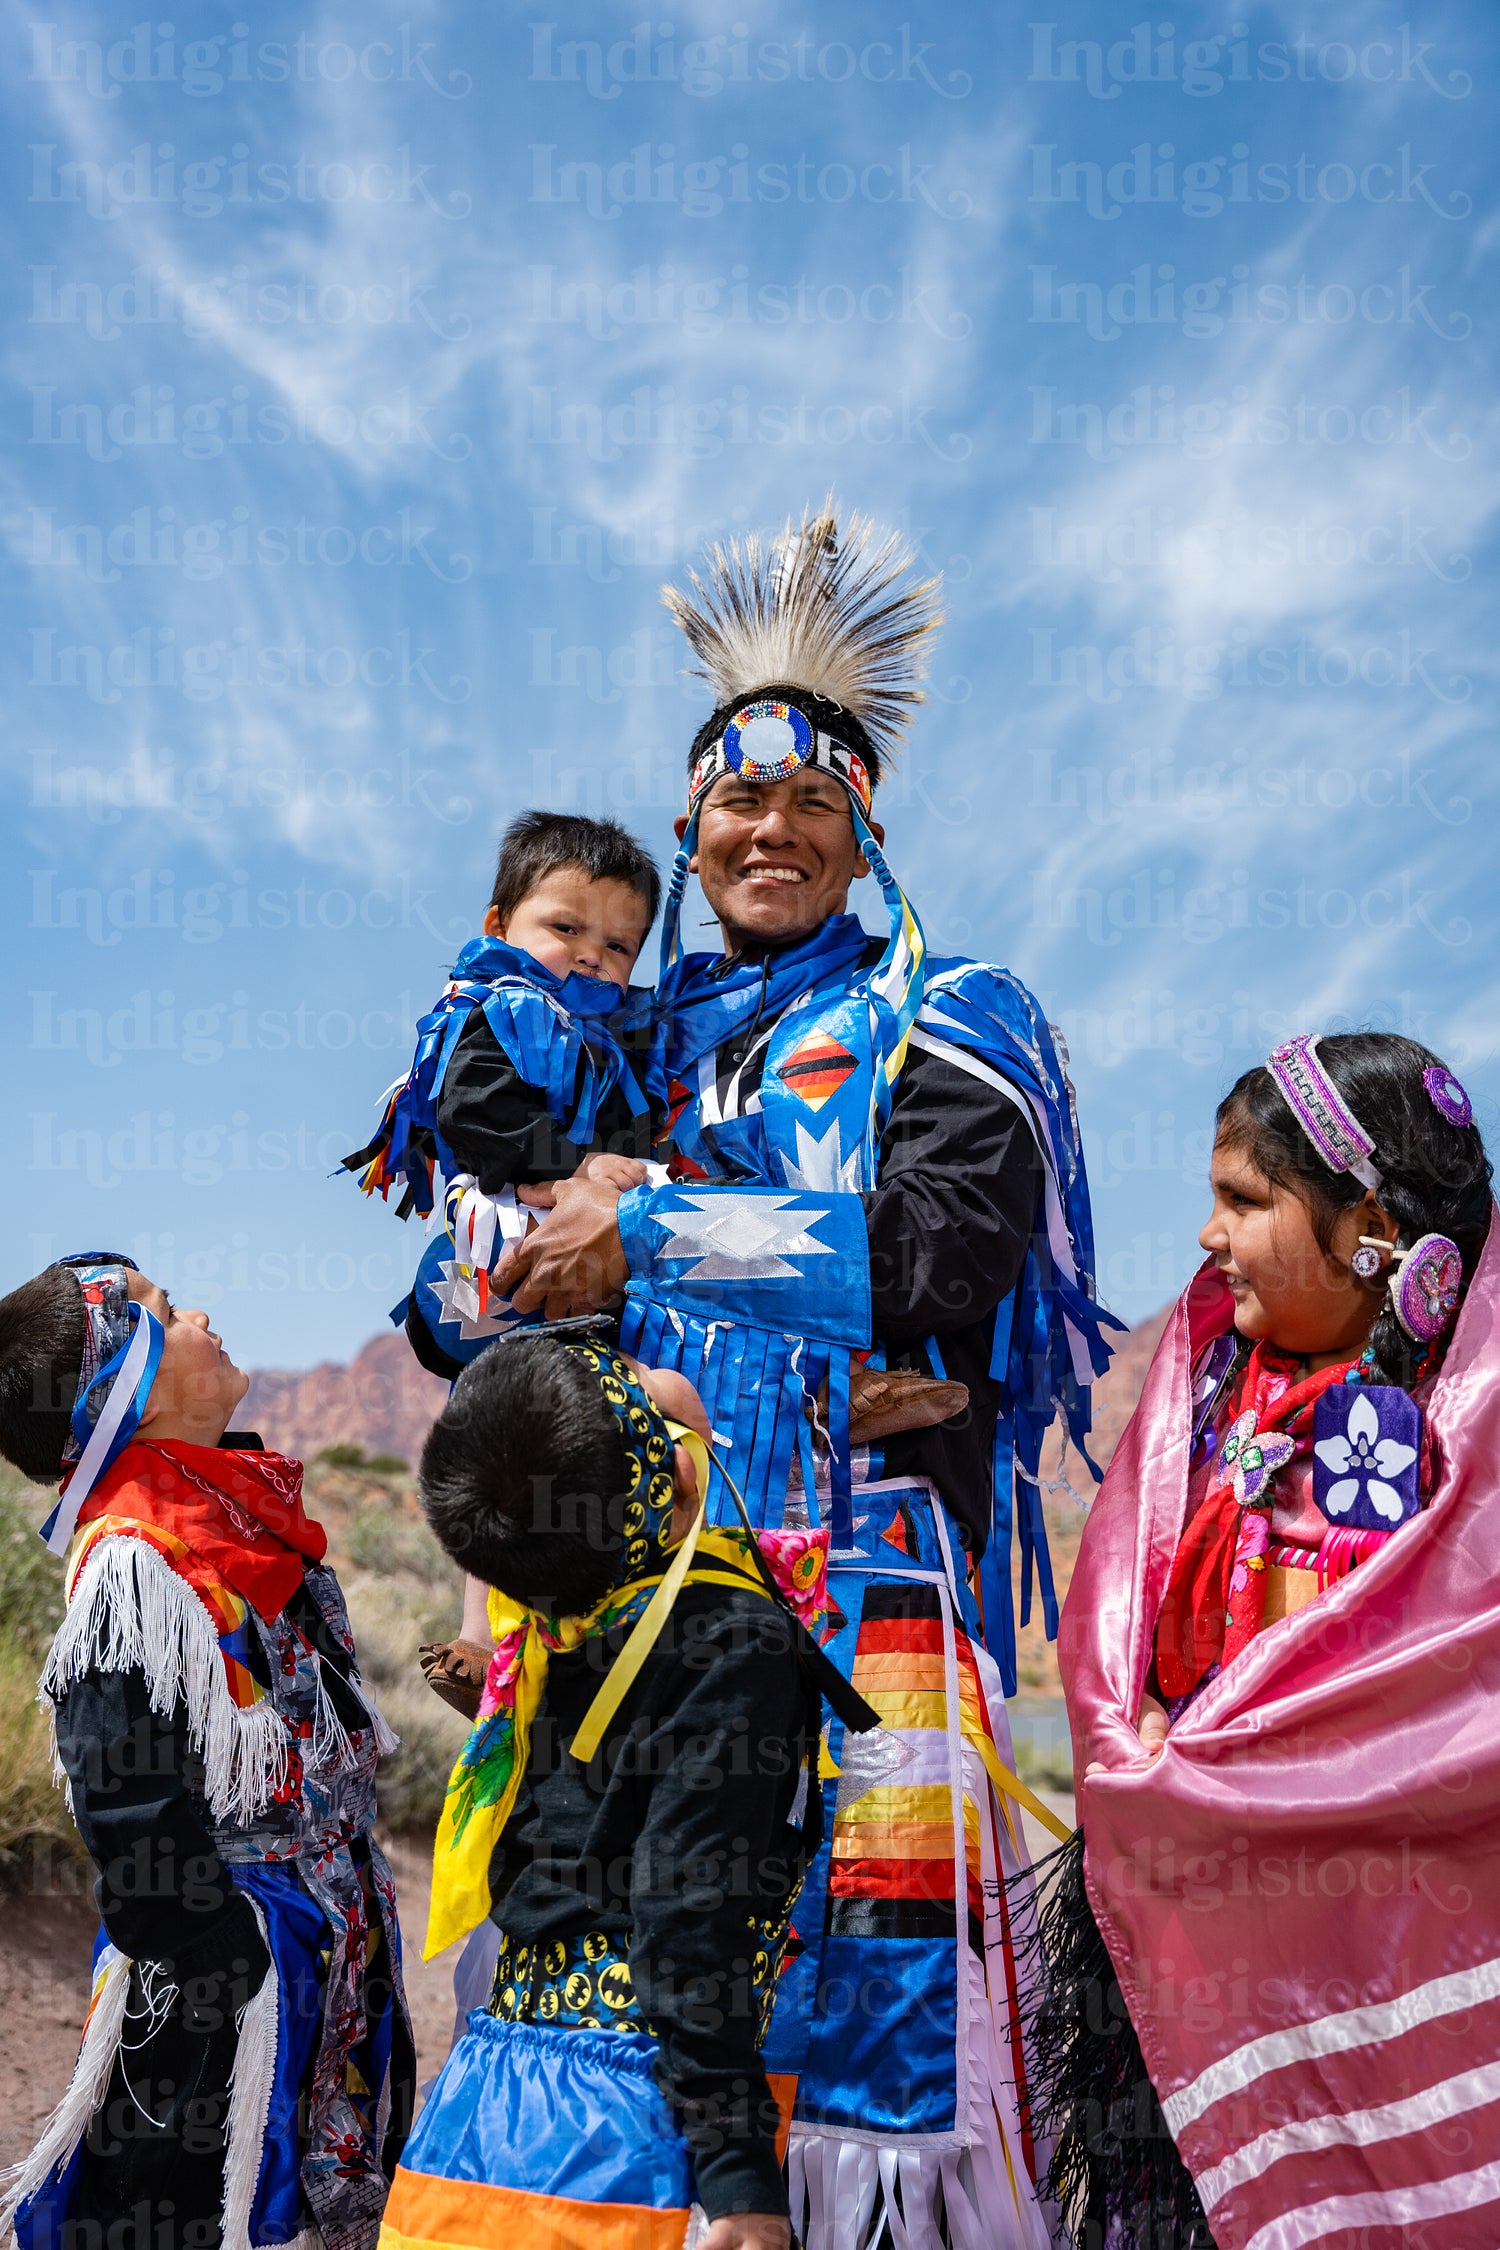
(1427, 1279)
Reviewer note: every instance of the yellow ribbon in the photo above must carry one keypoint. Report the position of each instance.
(1010, 1785)
(461, 1861)
(621, 1675)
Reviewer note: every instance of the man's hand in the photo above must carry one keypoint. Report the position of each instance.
(748, 2230)
(574, 1262)
(622, 1172)
(619, 1172)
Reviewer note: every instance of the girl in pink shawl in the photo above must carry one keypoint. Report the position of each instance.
(1267, 1655)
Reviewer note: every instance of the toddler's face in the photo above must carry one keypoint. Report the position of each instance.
(570, 922)
(197, 1383)
(1285, 1286)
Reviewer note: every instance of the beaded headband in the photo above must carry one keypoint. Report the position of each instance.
(122, 1348)
(770, 740)
(1320, 1109)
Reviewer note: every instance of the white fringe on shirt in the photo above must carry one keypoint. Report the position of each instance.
(130, 1611)
(250, 2084)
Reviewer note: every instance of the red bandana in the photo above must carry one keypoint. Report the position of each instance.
(1216, 1596)
(240, 1513)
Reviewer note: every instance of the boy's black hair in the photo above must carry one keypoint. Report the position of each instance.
(1435, 1176)
(523, 1476)
(539, 843)
(41, 1358)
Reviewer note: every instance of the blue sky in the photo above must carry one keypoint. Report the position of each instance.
(368, 369)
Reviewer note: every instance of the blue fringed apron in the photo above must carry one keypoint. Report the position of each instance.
(896, 2013)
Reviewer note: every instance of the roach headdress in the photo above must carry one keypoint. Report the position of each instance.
(813, 644)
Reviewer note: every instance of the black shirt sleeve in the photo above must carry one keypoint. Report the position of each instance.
(497, 1126)
(714, 1850)
(952, 1214)
(163, 1891)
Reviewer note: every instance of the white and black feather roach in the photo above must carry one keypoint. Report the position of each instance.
(829, 607)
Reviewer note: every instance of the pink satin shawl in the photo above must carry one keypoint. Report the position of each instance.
(1301, 1895)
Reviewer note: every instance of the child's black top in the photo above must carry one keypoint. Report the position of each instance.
(497, 1125)
(672, 1844)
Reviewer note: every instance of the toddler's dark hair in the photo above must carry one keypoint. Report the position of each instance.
(523, 1476)
(41, 1359)
(1435, 1176)
(540, 843)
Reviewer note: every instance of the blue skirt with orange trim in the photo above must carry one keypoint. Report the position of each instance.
(558, 2139)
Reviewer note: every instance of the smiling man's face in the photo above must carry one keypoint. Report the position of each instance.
(776, 858)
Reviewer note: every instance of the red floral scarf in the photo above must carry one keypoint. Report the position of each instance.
(238, 1514)
(1216, 1596)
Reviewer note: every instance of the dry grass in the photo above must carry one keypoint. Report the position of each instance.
(33, 1814)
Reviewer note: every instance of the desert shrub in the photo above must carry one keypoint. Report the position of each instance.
(391, 1618)
(341, 1456)
(31, 1602)
(385, 1539)
(33, 1812)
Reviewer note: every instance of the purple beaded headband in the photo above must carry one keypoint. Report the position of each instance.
(1320, 1109)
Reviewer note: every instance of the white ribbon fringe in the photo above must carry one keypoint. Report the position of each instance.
(131, 1612)
(85, 2091)
(250, 2086)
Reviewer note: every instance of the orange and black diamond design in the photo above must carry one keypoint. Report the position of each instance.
(816, 1068)
(678, 1097)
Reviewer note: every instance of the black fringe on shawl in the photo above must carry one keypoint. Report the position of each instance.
(1115, 2171)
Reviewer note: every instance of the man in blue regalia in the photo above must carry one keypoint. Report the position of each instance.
(877, 1192)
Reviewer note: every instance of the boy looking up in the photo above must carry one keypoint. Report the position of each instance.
(637, 1850)
(247, 2068)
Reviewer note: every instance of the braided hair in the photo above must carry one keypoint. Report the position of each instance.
(1435, 1175)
